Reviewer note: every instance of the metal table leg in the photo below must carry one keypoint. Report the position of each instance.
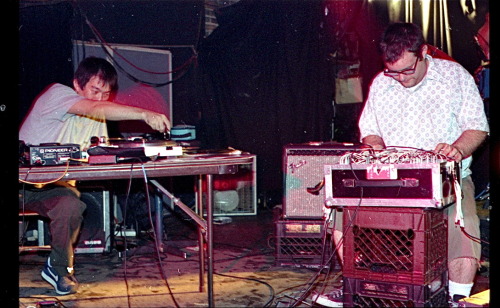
(159, 222)
(202, 225)
(201, 239)
(210, 240)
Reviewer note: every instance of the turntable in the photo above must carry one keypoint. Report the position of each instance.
(113, 150)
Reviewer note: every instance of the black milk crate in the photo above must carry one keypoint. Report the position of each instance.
(370, 293)
(302, 243)
(404, 245)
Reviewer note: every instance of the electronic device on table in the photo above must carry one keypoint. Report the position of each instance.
(101, 151)
(48, 154)
(114, 150)
(393, 177)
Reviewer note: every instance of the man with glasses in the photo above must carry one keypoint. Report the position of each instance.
(433, 104)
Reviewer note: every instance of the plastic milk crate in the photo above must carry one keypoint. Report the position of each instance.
(302, 243)
(371, 293)
(394, 244)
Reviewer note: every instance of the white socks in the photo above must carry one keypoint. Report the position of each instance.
(459, 288)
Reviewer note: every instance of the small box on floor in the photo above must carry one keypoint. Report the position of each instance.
(303, 243)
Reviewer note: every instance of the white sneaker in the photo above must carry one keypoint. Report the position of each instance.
(333, 298)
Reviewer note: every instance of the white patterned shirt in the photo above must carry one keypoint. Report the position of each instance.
(437, 110)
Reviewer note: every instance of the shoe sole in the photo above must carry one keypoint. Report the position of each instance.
(54, 284)
(324, 301)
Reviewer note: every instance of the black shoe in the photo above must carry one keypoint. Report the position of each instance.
(64, 285)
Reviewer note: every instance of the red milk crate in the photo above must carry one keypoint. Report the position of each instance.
(302, 243)
(394, 244)
(369, 293)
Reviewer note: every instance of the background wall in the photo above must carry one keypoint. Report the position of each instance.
(264, 77)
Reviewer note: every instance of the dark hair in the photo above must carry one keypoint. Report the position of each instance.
(93, 66)
(400, 37)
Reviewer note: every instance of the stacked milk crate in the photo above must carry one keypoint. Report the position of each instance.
(395, 230)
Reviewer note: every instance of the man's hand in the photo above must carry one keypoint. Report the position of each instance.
(450, 151)
(157, 121)
(376, 142)
(464, 146)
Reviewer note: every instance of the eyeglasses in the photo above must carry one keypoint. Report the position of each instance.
(407, 71)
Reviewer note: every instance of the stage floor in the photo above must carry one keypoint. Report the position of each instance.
(245, 271)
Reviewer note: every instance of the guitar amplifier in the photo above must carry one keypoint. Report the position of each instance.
(426, 185)
(303, 176)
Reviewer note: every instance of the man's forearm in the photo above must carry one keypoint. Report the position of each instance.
(107, 110)
(116, 112)
(469, 141)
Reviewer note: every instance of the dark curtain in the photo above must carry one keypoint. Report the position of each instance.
(267, 80)
(44, 49)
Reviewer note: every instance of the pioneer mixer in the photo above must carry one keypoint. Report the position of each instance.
(47, 154)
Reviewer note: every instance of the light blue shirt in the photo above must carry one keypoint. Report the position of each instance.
(437, 110)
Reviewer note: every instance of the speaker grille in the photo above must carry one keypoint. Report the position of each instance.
(303, 169)
(303, 172)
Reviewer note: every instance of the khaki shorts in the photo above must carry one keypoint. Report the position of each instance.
(459, 243)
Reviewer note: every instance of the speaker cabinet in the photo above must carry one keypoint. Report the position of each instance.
(301, 243)
(303, 165)
(95, 233)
